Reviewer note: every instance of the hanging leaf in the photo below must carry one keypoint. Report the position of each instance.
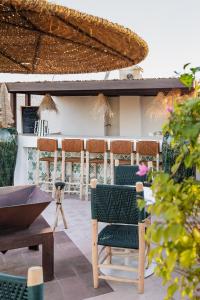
(187, 79)
(186, 65)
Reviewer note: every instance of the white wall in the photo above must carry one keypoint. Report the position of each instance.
(150, 123)
(130, 116)
(76, 117)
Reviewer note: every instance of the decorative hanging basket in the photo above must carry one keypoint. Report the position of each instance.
(102, 108)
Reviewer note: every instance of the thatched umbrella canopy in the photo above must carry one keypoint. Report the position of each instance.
(43, 38)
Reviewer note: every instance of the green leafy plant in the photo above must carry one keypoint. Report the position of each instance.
(175, 234)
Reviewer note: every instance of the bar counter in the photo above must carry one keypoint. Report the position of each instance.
(27, 145)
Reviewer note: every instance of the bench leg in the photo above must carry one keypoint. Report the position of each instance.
(48, 257)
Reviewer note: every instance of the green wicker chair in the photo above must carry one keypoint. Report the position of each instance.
(20, 288)
(126, 175)
(117, 206)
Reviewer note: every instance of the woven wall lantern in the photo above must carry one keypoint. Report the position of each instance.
(43, 38)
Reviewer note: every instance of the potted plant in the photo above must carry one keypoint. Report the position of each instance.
(8, 140)
(175, 233)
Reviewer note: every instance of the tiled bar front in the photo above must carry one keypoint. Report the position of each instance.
(26, 159)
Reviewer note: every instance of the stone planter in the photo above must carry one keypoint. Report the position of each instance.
(8, 155)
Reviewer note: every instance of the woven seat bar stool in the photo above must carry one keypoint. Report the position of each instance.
(73, 146)
(120, 148)
(148, 148)
(124, 234)
(95, 147)
(21, 288)
(50, 146)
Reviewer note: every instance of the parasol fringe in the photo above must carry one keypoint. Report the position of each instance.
(6, 116)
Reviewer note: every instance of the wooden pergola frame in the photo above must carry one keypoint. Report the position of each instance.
(143, 87)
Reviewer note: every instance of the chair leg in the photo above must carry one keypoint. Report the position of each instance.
(95, 253)
(141, 263)
(109, 253)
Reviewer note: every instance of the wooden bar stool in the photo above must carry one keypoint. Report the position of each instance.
(50, 146)
(119, 148)
(148, 148)
(95, 147)
(73, 146)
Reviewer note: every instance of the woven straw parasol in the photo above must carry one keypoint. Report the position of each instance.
(43, 38)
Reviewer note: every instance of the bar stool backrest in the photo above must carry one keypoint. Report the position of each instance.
(96, 146)
(150, 148)
(72, 145)
(48, 145)
(121, 147)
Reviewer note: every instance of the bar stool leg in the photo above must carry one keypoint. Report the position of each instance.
(95, 170)
(63, 166)
(105, 168)
(157, 162)
(37, 171)
(132, 159)
(87, 175)
(112, 167)
(70, 165)
(54, 172)
(47, 175)
(81, 175)
(63, 171)
(137, 158)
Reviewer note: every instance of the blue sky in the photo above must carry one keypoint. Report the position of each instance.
(171, 29)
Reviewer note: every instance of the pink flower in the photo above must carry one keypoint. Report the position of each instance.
(169, 109)
(143, 170)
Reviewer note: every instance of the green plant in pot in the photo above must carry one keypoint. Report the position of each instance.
(175, 232)
(8, 140)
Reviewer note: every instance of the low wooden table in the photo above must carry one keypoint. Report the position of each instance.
(39, 233)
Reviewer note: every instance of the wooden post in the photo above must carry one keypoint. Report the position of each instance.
(35, 276)
(93, 184)
(95, 253)
(139, 187)
(13, 104)
(141, 263)
(116, 162)
(27, 100)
